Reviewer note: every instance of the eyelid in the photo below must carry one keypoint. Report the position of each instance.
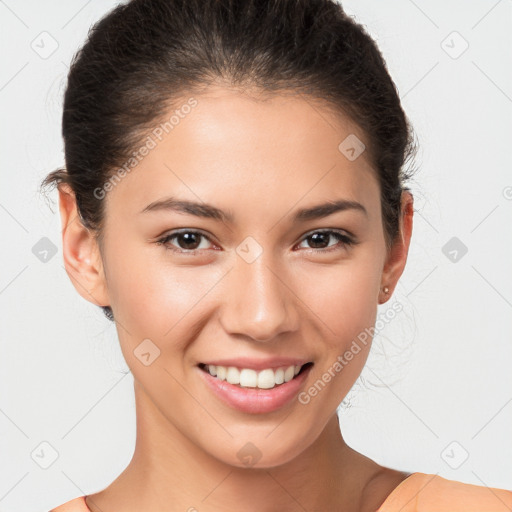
(340, 231)
(345, 238)
(175, 232)
(210, 237)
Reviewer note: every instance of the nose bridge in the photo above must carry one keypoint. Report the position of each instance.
(258, 304)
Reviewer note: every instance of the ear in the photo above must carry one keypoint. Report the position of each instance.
(82, 258)
(397, 255)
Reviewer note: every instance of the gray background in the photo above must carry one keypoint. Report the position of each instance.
(436, 395)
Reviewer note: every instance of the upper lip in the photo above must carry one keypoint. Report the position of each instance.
(258, 364)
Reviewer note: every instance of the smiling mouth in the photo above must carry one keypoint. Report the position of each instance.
(249, 378)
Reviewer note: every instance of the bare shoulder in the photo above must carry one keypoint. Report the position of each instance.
(470, 496)
(422, 492)
(75, 505)
(382, 483)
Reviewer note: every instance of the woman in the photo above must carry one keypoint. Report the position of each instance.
(234, 199)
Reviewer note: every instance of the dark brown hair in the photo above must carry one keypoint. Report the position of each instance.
(144, 56)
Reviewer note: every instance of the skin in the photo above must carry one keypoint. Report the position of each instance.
(261, 159)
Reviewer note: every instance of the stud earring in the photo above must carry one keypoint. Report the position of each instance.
(386, 289)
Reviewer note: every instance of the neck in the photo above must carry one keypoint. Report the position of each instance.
(168, 472)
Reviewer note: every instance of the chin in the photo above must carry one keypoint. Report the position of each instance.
(261, 451)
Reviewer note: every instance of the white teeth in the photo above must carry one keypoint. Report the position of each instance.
(289, 373)
(221, 372)
(266, 379)
(233, 375)
(248, 378)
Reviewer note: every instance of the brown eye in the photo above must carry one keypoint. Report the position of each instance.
(319, 240)
(186, 241)
(189, 242)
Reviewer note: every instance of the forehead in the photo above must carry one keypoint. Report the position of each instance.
(272, 151)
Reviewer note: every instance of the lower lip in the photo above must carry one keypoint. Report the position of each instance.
(255, 400)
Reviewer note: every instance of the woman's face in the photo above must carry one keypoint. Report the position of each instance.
(264, 288)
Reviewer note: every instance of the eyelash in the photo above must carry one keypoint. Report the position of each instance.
(345, 240)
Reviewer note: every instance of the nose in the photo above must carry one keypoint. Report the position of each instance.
(260, 301)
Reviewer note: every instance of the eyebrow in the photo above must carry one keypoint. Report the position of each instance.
(211, 212)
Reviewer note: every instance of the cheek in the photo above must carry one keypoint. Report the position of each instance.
(152, 295)
(344, 303)
(343, 297)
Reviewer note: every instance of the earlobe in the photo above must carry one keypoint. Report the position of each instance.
(81, 254)
(397, 256)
